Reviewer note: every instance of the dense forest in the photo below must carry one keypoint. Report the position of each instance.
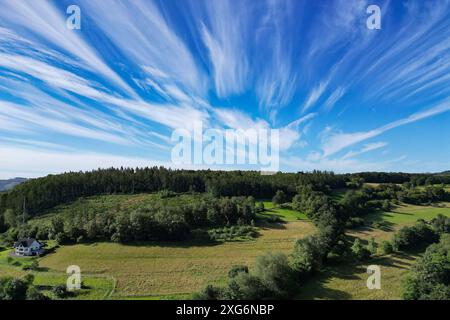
(44, 193)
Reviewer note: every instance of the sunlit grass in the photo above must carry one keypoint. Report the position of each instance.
(172, 269)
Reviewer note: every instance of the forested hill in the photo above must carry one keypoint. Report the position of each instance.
(44, 193)
(10, 183)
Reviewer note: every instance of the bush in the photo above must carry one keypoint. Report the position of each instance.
(429, 279)
(386, 206)
(246, 286)
(260, 207)
(209, 293)
(372, 246)
(279, 198)
(412, 237)
(307, 255)
(276, 274)
(14, 288)
(60, 291)
(34, 294)
(272, 278)
(386, 247)
(441, 224)
(360, 252)
(354, 222)
(236, 269)
(34, 265)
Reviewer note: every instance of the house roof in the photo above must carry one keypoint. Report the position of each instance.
(25, 242)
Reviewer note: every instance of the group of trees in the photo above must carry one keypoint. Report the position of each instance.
(421, 234)
(20, 289)
(430, 276)
(417, 179)
(44, 193)
(278, 276)
(156, 221)
(38, 195)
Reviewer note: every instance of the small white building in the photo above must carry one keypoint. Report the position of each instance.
(28, 247)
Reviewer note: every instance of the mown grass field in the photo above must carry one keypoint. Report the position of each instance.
(172, 270)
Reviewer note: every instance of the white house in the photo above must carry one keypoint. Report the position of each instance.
(28, 247)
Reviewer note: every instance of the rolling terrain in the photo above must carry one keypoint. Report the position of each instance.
(168, 270)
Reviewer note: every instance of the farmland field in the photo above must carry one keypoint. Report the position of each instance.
(172, 269)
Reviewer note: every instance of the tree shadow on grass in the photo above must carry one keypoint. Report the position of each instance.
(378, 219)
(316, 287)
(347, 269)
(266, 225)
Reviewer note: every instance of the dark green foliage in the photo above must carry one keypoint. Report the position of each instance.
(430, 277)
(60, 291)
(232, 233)
(276, 275)
(386, 206)
(401, 177)
(441, 224)
(34, 265)
(159, 220)
(234, 270)
(210, 293)
(355, 222)
(307, 255)
(247, 286)
(272, 278)
(360, 252)
(386, 247)
(279, 198)
(412, 237)
(15, 288)
(34, 294)
(260, 207)
(355, 203)
(372, 246)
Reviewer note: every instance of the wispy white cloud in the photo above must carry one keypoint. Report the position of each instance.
(43, 20)
(225, 39)
(338, 141)
(334, 98)
(367, 148)
(315, 95)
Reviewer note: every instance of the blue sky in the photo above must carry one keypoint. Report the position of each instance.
(344, 97)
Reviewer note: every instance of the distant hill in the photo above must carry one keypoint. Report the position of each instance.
(444, 173)
(10, 183)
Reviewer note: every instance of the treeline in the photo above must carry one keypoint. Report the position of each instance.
(417, 179)
(154, 222)
(38, 195)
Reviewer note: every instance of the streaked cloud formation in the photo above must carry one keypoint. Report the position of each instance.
(344, 97)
